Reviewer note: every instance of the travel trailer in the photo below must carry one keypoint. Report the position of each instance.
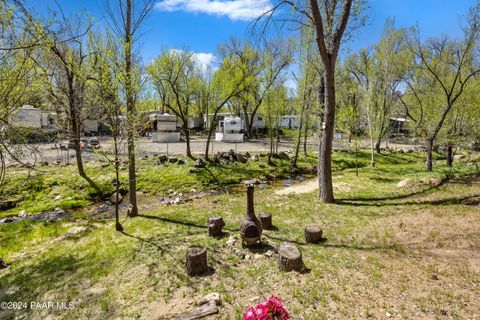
(164, 127)
(290, 122)
(229, 130)
(32, 118)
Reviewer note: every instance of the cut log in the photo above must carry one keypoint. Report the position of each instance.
(215, 225)
(313, 233)
(266, 220)
(199, 312)
(196, 261)
(289, 257)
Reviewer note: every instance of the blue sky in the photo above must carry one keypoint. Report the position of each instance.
(201, 25)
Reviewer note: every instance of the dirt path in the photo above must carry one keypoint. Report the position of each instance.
(309, 186)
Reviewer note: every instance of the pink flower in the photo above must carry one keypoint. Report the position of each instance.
(272, 309)
(250, 314)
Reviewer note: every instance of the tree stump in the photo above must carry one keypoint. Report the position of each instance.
(289, 257)
(196, 261)
(215, 225)
(266, 220)
(313, 234)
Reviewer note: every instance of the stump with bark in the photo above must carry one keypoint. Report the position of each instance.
(215, 225)
(289, 257)
(196, 261)
(313, 234)
(266, 220)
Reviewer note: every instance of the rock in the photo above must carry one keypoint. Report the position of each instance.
(255, 157)
(114, 198)
(58, 197)
(313, 233)
(181, 161)
(242, 158)
(172, 159)
(289, 257)
(247, 257)
(211, 297)
(458, 157)
(269, 253)
(3, 264)
(283, 155)
(404, 183)
(240, 253)
(177, 201)
(232, 240)
(162, 158)
(22, 214)
(199, 163)
(257, 256)
(75, 230)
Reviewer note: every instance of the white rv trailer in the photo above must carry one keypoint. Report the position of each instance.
(166, 128)
(229, 130)
(31, 117)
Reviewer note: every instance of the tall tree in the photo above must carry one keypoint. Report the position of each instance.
(330, 24)
(175, 77)
(452, 66)
(126, 18)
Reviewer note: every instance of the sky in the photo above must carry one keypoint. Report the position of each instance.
(201, 25)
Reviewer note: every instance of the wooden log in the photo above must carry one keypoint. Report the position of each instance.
(313, 233)
(266, 220)
(196, 261)
(289, 257)
(199, 312)
(215, 225)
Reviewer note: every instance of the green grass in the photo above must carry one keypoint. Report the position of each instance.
(361, 269)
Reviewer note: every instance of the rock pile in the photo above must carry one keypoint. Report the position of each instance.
(231, 156)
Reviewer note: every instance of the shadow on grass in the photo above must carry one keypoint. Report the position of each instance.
(348, 201)
(184, 223)
(367, 202)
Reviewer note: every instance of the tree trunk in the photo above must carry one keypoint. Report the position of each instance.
(429, 162)
(299, 140)
(132, 180)
(247, 121)
(305, 135)
(211, 131)
(118, 226)
(378, 144)
(325, 146)
(449, 155)
(187, 140)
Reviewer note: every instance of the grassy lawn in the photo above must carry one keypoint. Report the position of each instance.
(409, 252)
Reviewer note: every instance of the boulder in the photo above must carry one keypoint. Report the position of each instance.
(283, 156)
(114, 198)
(211, 297)
(199, 163)
(404, 183)
(3, 264)
(172, 159)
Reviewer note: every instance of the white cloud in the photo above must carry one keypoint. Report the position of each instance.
(204, 60)
(234, 9)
